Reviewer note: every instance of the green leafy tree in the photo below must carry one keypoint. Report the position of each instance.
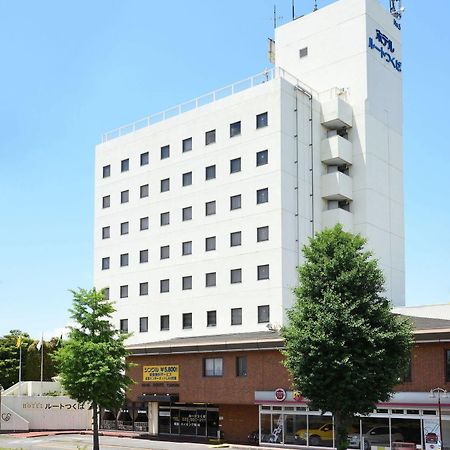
(9, 357)
(344, 348)
(91, 361)
(32, 370)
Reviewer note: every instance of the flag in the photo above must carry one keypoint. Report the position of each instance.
(39, 344)
(19, 341)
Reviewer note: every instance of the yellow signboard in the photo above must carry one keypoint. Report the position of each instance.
(158, 374)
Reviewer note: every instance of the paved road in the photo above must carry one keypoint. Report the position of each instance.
(78, 442)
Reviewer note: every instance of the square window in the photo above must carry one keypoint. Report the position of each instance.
(213, 367)
(262, 196)
(210, 243)
(124, 291)
(164, 286)
(143, 191)
(241, 366)
(143, 288)
(143, 256)
(106, 293)
(106, 171)
(187, 321)
(125, 165)
(210, 172)
(235, 239)
(124, 228)
(262, 120)
(187, 145)
(187, 213)
(165, 152)
(187, 283)
(187, 248)
(164, 323)
(165, 252)
(235, 129)
(165, 218)
(211, 318)
(124, 325)
(235, 202)
(262, 234)
(124, 259)
(124, 196)
(210, 208)
(264, 314)
(105, 263)
(187, 179)
(236, 276)
(303, 52)
(210, 279)
(263, 272)
(143, 324)
(106, 232)
(144, 159)
(106, 201)
(144, 223)
(165, 185)
(235, 165)
(210, 137)
(262, 157)
(236, 316)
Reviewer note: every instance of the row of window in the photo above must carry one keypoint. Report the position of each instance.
(186, 145)
(144, 190)
(262, 234)
(262, 273)
(211, 319)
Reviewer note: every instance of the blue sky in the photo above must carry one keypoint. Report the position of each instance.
(74, 69)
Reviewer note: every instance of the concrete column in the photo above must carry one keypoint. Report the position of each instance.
(153, 418)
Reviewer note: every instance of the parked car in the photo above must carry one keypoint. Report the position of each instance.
(316, 435)
(378, 436)
(253, 437)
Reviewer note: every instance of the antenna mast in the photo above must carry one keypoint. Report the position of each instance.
(315, 6)
(275, 17)
(293, 9)
(397, 9)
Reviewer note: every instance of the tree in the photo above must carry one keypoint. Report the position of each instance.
(9, 357)
(344, 348)
(91, 361)
(32, 370)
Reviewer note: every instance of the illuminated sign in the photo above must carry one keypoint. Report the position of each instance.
(157, 374)
(386, 49)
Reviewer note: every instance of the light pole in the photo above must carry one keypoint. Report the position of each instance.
(440, 392)
(1, 390)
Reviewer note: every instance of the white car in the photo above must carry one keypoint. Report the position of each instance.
(378, 436)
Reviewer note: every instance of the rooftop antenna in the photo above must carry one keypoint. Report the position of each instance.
(315, 6)
(275, 17)
(397, 9)
(293, 9)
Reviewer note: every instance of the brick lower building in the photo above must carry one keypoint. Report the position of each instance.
(237, 384)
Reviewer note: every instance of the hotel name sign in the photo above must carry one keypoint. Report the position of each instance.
(382, 44)
(157, 374)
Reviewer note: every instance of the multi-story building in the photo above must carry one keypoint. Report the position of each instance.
(201, 210)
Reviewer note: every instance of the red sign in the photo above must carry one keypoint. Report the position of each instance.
(280, 394)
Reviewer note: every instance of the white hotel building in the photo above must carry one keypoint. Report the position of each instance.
(201, 211)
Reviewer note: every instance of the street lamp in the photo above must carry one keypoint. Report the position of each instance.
(1, 390)
(439, 392)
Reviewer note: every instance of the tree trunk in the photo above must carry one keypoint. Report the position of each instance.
(96, 445)
(340, 431)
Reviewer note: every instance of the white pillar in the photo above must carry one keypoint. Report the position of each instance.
(153, 418)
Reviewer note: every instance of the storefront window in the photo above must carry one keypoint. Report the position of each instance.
(277, 429)
(188, 421)
(375, 432)
(164, 420)
(320, 431)
(295, 429)
(266, 427)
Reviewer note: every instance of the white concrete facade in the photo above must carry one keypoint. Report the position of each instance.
(334, 154)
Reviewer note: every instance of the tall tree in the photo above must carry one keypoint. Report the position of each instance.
(9, 356)
(344, 348)
(91, 361)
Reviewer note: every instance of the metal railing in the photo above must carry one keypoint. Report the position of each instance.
(211, 97)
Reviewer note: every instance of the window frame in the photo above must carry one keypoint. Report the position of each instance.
(162, 319)
(106, 171)
(124, 259)
(163, 284)
(144, 191)
(144, 223)
(262, 196)
(215, 373)
(106, 201)
(260, 272)
(143, 259)
(241, 369)
(210, 137)
(262, 163)
(124, 228)
(186, 141)
(123, 291)
(164, 185)
(232, 197)
(234, 234)
(213, 169)
(188, 244)
(232, 271)
(106, 232)
(235, 165)
(233, 320)
(164, 218)
(262, 120)
(144, 159)
(143, 320)
(209, 315)
(186, 321)
(235, 129)
(210, 239)
(143, 288)
(186, 283)
(260, 313)
(187, 179)
(260, 229)
(123, 325)
(164, 152)
(211, 204)
(207, 276)
(162, 251)
(124, 196)
(125, 165)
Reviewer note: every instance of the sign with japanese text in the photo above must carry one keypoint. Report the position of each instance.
(157, 374)
(382, 44)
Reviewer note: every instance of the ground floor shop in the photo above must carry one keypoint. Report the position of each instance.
(409, 421)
